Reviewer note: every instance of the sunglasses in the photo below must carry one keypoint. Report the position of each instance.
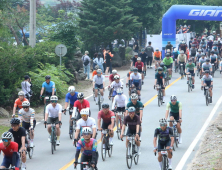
(173, 100)
(14, 125)
(84, 115)
(131, 113)
(25, 107)
(119, 93)
(5, 140)
(53, 101)
(86, 134)
(162, 125)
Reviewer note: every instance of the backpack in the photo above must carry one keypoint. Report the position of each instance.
(86, 62)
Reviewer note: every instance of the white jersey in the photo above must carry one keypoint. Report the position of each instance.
(115, 85)
(120, 100)
(54, 111)
(135, 77)
(26, 116)
(90, 122)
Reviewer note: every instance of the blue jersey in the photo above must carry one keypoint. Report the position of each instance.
(48, 87)
(71, 98)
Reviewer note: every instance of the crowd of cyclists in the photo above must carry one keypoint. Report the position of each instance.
(203, 52)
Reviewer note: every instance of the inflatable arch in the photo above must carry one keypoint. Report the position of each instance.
(186, 12)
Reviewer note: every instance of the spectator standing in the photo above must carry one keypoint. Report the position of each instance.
(190, 42)
(86, 63)
(26, 87)
(208, 33)
(99, 61)
(149, 51)
(136, 46)
(107, 60)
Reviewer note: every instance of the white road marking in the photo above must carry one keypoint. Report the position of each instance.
(193, 144)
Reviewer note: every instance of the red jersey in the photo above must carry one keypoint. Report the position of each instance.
(139, 65)
(8, 151)
(18, 102)
(82, 105)
(106, 117)
(111, 77)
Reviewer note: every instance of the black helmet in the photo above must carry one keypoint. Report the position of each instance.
(160, 69)
(26, 77)
(162, 64)
(167, 55)
(105, 105)
(15, 121)
(207, 71)
(80, 96)
(168, 42)
(190, 60)
(212, 52)
(47, 77)
(208, 60)
(135, 69)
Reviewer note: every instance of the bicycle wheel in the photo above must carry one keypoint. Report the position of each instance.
(71, 134)
(103, 150)
(129, 157)
(52, 143)
(109, 147)
(159, 99)
(207, 101)
(99, 102)
(189, 87)
(44, 112)
(175, 138)
(164, 166)
(136, 159)
(118, 131)
(31, 152)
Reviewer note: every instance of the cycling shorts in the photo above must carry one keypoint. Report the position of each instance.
(98, 86)
(49, 93)
(163, 144)
(121, 109)
(7, 161)
(28, 125)
(175, 115)
(158, 59)
(169, 66)
(161, 84)
(137, 85)
(131, 132)
(105, 125)
(191, 72)
(53, 120)
(140, 71)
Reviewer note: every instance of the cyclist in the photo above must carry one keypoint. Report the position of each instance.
(207, 66)
(27, 116)
(175, 108)
(53, 114)
(114, 86)
(108, 121)
(165, 140)
(133, 122)
(182, 59)
(120, 100)
(157, 57)
(85, 121)
(205, 50)
(18, 102)
(144, 58)
(201, 61)
(140, 66)
(164, 67)
(49, 87)
(135, 80)
(213, 58)
(159, 80)
(198, 55)
(169, 46)
(175, 55)
(88, 147)
(134, 59)
(19, 136)
(193, 50)
(111, 77)
(80, 104)
(10, 150)
(168, 61)
(72, 97)
(128, 77)
(207, 80)
(99, 83)
(183, 47)
(26, 87)
(190, 70)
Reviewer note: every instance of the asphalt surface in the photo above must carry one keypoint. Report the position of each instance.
(194, 111)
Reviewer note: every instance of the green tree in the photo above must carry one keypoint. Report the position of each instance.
(101, 22)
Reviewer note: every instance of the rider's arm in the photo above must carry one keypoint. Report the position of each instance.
(114, 102)
(53, 91)
(46, 112)
(125, 100)
(78, 149)
(180, 110)
(66, 101)
(15, 106)
(167, 110)
(42, 90)
(155, 137)
(23, 140)
(103, 82)
(94, 128)
(77, 129)
(112, 121)
(32, 118)
(210, 67)
(141, 112)
(171, 137)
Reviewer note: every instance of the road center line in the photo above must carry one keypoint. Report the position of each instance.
(194, 143)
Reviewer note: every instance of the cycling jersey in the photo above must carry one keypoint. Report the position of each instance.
(160, 77)
(157, 54)
(120, 100)
(213, 58)
(163, 135)
(116, 85)
(17, 135)
(143, 56)
(48, 87)
(198, 56)
(71, 98)
(216, 52)
(138, 106)
(190, 66)
(221, 63)
(135, 77)
(131, 123)
(98, 79)
(90, 122)
(87, 148)
(106, 117)
(27, 117)
(183, 47)
(169, 46)
(167, 62)
(134, 60)
(139, 65)
(80, 106)
(128, 74)
(8, 151)
(207, 80)
(53, 111)
(111, 77)
(202, 60)
(206, 66)
(182, 57)
(175, 55)
(18, 103)
(205, 51)
(174, 108)
(193, 51)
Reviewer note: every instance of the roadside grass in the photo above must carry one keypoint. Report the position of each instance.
(3, 129)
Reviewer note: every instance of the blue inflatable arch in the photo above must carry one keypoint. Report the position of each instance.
(186, 12)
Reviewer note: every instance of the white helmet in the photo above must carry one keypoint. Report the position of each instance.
(21, 93)
(114, 72)
(116, 77)
(182, 52)
(99, 71)
(157, 49)
(139, 58)
(25, 104)
(168, 50)
(7, 135)
(53, 98)
(175, 50)
(119, 90)
(86, 130)
(84, 112)
(163, 121)
(134, 96)
(173, 97)
(199, 50)
(71, 89)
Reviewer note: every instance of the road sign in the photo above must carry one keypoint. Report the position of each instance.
(61, 51)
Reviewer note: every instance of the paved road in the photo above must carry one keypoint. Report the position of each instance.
(195, 113)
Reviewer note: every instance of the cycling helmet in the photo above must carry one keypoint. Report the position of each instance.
(25, 104)
(134, 96)
(175, 50)
(199, 50)
(183, 42)
(131, 68)
(173, 97)
(138, 58)
(116, 77)
(162, 64)
(71, 89)
(168, 50)
(204, 46)
(86, 130)
(114, 72)
(21, 93)
(135, 69)
(190, 60)
(47, 77)
(99, 71)
(207, 60)
(168, 42)
(157, 49)
(212, 52)
(214, 47)
(202, 54)
(163, 121)
(160, 69)
(54, 98)
(207, 71)
(7, 135)
(135, 53)
(195, 39)
(96, 67)
(80, 96)
(84, 112)
(181, 52)
(105, 105)
(143, 50)
(167, 55)
(119, 91)
(214, 31)
(131, 109)
(15, 121)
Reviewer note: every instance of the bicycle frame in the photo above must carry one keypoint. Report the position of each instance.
(190, 82)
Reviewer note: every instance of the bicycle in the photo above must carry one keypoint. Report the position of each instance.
(198, 69)
(99, 99)
(108, 148)
(181, 71)
(120, 122)
(176, 67)
(47, 98)
(30, 150)
(131, 153)
(165, 163)
(166, 80)
(213, 69)
(86, 165)
(190, 83)
(72, 124)
(160, 94)
(207, 96)
(175, 133)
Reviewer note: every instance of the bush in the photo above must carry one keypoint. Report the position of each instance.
(128, 53)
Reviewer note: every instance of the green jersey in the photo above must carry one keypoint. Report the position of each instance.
(138, 106)
(190, 66)
(167, 62)
(174, 108)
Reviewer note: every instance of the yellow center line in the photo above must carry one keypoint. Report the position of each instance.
(115, 128)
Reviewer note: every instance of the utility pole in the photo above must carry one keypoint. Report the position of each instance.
(32, 25)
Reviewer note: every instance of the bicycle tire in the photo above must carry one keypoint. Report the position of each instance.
(159, 99)
(136, 159)
(30, 152)
(99, 103)
(189, 87)
(110, 151)
(118, 130)
(129, 160)
(164, 163)
(103, 155)
(52, 143)
(175, 138)
(207, 101)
